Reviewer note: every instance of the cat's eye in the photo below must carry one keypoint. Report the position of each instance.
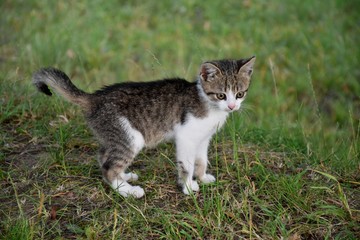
(240, 95)
(221, 96)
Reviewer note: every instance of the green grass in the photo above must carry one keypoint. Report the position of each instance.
(287, 165)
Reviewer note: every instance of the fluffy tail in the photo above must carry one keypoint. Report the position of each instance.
(62, 84)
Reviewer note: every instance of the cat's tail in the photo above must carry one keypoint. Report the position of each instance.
(62, 84)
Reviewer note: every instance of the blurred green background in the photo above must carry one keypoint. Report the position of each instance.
(306, 75)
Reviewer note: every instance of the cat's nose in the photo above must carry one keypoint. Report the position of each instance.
(231, 106)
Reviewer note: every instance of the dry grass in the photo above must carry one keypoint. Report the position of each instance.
(254, 190)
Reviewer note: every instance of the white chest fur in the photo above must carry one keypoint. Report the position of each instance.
(199, 129)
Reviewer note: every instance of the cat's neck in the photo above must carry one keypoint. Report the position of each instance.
(201, 92)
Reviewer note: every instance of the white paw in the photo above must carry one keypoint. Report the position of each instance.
(126, 190)
(130, 177)
(191, 186)
(133, 191)
(207, 178)
(137, 192)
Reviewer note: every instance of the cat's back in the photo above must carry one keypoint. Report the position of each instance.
(133, 89)
(130, 97)
(166, 97)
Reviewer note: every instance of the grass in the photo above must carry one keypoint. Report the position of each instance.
(287, 165)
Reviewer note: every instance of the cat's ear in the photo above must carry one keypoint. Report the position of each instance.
(246, 68)
(209, 71)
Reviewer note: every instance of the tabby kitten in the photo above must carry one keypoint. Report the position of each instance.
(127, 117)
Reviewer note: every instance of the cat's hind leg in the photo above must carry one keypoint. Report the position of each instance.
(114, 174)
(131, 177)
(120, 145)
(113, 164)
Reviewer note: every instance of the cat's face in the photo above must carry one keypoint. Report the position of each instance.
(225, 82)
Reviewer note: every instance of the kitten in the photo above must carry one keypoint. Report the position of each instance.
(127, 117)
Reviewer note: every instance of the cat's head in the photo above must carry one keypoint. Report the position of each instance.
(225, 82)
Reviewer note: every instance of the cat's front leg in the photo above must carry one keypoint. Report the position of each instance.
(185, 154)
(201, 163)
